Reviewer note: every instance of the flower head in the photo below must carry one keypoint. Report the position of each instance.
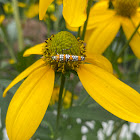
(63, 43)
(30, 102)
(126, 8)
(108, 21)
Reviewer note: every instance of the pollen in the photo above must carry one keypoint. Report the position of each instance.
(61, 51)
(126, 8)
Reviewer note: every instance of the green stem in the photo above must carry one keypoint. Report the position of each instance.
(18, 24)
(56, 23)
(85, 25)
(60, 102)
(137, 65)
(79, 29)
(46, 124)
(9, 47)
(126, 44)
(48, 22)
(72, 99)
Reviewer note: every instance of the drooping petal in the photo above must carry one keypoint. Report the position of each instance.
(43, 6)
(37, 49)
(24, 74)
(101, 5)
(112, 94)
(100, 61)
(74, 29)
(99, 18)
(136, 18)
(74, 12)
(102, 37)
(129, 28)
(99, 14)
(29, 104)
(88, 35)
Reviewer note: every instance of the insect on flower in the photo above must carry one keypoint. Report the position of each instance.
(67, 57)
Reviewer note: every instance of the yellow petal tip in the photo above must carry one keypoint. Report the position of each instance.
(25, 54)
(4, 94)
(40, 17)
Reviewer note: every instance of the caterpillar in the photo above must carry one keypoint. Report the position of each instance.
(67, 57)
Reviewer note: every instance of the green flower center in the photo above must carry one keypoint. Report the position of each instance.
(126, 8)
(63, 44)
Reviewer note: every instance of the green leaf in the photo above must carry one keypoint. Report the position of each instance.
(4, 102)
(4, 83)
(73, 133)
(135, 137)
(91, 136)
(96, 113)
(24, 62)
(42, 133)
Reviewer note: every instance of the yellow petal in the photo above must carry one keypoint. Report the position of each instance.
(32, 11)
(99, 13)
(98, 17)
(136, 18)
(37, 49)
(129, 28)
(74, 12)
(112, 94)
(21, 4)
(138, 9)
(74, 29)
(100, 61)
(24, 74)
(88, 35)
(2, 17)
(102, 37)
(29, 104)
(101, 5)
(43, 6)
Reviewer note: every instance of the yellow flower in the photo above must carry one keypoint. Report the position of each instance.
(108, 22)
(67, 95)
(53, 17)
(74, 11)
(51, 8)
(21, 4)
(30, 102)
(11, 61)
(119, 60)
(32, 11)
(2, 17)
(9, 9)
